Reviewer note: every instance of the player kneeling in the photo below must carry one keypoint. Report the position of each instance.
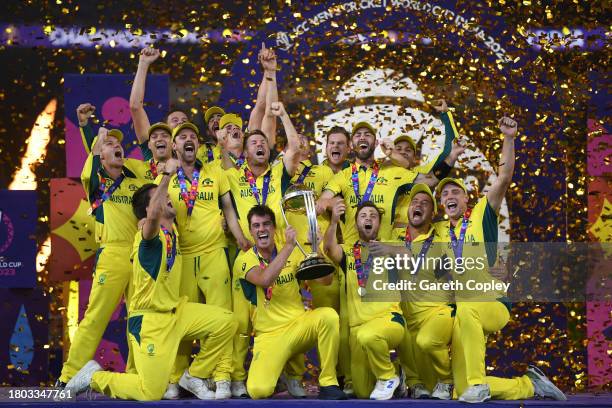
(159, 320)
(283, 328)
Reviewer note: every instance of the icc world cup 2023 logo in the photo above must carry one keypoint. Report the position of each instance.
(7, 232)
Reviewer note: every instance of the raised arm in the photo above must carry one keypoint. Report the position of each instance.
(291, 158)
(268, 124)
(84, 112)
(266, 277)
(330, 241)
(139, 116)
(496, 193)
(232, 222)
(159, 200)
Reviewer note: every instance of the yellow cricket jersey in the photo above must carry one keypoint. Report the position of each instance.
(244, 199)
(480, 243)
(203, 231)
(392, 182)
(156, 287)
(419, 299)
(285, 305)
(360, 311)
(115, 220)
(208, 153)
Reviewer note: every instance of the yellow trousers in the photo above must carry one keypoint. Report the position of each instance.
(111, 280)
(155, 339)
(243, 313)
(272, 350)
(208, 271)
(424, 352)
(473, 322)
(370, 345)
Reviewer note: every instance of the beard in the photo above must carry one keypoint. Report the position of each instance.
(365, 155)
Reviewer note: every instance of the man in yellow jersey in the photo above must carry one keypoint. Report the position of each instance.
(282, 327)
(197, 191)
(257, 182)
(109, 184)
(480, 314)
(429, 322)
(159, 318)
(376, 327)
(383, 184)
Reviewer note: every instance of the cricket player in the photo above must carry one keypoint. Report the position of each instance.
(283, 328)
(480, 314)
(375, 327)
(159, 319)
(109, 182)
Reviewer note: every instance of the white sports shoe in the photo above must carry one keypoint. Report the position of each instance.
(222, 390)
(542, 386)
(82, 379)
(348, 390)
(172, 392)
(476, 393)
(442, 391)
(239, 389)
(384, 389)
(418, 391)
(197, 386)
(294, 386)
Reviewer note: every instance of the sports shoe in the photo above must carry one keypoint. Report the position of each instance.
(331, 392)
(239, 389)
(418, 391)
(59, 384)
(82, 379)
(196, 386)
(542, 386)
(294, 386)
(348, 390)
(384, 389)
(442, 391)
(402, 390)
(476, 393)
(173, 392)
(222, 390)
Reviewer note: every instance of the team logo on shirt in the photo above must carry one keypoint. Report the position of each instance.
(207, 182)
(101, 279)
(382, 181)
(133, 187)
(151, 349)
(149, 175)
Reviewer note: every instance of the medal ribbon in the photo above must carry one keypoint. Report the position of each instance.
(457, 244)
(263, 265)
(170, 247)
(424, 248)
(238, 162)
(362, 275)
(252, 182)
(371, 183)
(209, 152)
(188, 197)
(103, 195)
(153, 167)
(303, 175)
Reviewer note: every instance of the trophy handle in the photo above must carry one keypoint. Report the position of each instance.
(287, 223)
(311, 214)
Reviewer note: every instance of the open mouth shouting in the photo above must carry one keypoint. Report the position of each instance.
(161, 147)
(118, 154)
(368, 226)
(335, 154)
(452, 206)
(235, 135)
(363, 146)
(189, 147)
(259, 152)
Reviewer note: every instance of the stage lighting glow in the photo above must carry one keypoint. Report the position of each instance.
(24, 178)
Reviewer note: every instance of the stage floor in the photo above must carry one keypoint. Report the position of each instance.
(580, 400)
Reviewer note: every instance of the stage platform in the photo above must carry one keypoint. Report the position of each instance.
(579, 400)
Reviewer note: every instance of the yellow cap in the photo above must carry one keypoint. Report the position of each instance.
(230, 118)
(160, 125)
(423, 188)
(405, 138)
(447, 180)
(363, 125)
(116, 133)
(185, 125)
(213, 110)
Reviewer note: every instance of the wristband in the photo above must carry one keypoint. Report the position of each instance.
(442, 170)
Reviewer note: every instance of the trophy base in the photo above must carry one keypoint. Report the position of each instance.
(314, 268)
